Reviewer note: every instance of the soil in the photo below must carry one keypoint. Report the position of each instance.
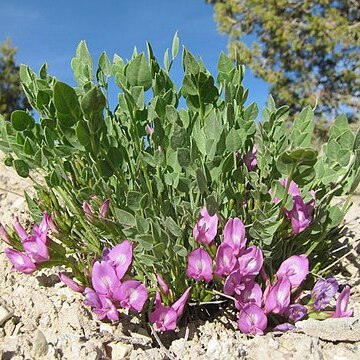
(40, 318)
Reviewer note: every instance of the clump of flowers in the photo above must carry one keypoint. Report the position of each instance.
(158, 205)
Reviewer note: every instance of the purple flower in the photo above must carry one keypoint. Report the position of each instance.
(252, 320)
(293, 188)
(295, 312)
(205, 229)
(234, 283)
(104, 208)
(251, 261)
(19, 229)
(199, 265)
(284, 327)
(36, 249)
(225, 260)
(132, 295)
(162, 283)
(4, 235)
(277, 297)
(251, 293)
(323, 292)
(249, 158)
(295, 268)
(87, 210)
(20, 261)
(179, 304)
(300, 215)
(121, 257)
(107, 309)
(71, 283)
(342, 304)
(104, 279)
(163, 317)
(234, 235)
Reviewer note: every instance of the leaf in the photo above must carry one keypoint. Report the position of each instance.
(138, 72)
(183, 156)
(201, 180)
(233, 141)
(35, 211)
(104, 64)
(225, 64)
(171, 225)
(92, 105)
(21, 168)
(178, 137)
(190, 64)
(303, 128)
(125, 218)
(180, 250)
(175, 46)
(21, 120)
(133, 199)
(251, 112)
(67, 105)
(82, 133)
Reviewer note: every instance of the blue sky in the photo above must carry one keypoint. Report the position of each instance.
(49, 31)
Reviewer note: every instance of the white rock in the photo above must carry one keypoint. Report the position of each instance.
(119, 351)
(106, 327)
(40, 345)
(5, 314)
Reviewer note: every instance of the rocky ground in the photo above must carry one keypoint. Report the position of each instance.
(40, 318)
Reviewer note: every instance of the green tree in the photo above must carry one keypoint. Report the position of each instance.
(309, 51)
(12, 96)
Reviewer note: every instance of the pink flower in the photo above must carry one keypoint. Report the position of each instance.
(102, 306)
(295, 312)
(234, 235)
(284, 327)
(120, 257)
(234, 283)
(36, 249)
(205, 229)
(300, 215)
(199, 265)
(91, 298)
(4, 235)
(149, 129)
(293, 188)
(105, 208)
(249, 159)
(295, 268)
(252, 320)
(277, 297)
(87, 210)
(42, 230)
(251, 261)
(19, 229)
(342, 304)
(131, 294)
(71, 283)
(323, 292)
(225, 260)
(163, 317)
(104, 279)
(162, 283)
(251, 293)
(20, 261)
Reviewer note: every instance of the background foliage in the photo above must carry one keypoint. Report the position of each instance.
(309, 51)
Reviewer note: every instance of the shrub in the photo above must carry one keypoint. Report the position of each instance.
(155, 197)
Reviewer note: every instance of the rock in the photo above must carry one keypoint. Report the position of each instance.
(5, 314)
(106, 327)
(40, 345)
(336, 329)
(118, 351)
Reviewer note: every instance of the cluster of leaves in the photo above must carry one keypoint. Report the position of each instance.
(306, 50)
(158, 181)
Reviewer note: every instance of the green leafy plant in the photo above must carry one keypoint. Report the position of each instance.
(157, 164)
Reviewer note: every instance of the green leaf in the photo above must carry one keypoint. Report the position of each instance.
(303, 129)
(233, 141)
(93, 104)
(171, 225)
(21, 168)
(104, 64)
(138, 72)
(125, 218)
(190, 64)
(21, 120)
(180, 250)
(178, 137)
(183, 156)
(201, 180)
(133, 199)
(34, 209)
(175, 46)
(67, 105)
(225, 64)
(82, 133)
(211, 205)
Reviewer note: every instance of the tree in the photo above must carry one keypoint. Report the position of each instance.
(309, 51)
(12, 96)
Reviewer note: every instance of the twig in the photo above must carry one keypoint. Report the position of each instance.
(224, 295)
(10, 191)
(337, 261)
(162, 347)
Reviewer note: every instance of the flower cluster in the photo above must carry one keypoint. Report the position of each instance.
(237, 268)
(112, 287)
(34, 245)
